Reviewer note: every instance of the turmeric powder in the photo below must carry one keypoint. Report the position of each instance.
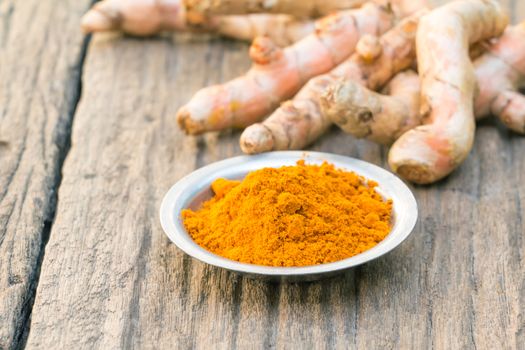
(291, 216)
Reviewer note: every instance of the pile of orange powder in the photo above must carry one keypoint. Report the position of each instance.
(291, 216)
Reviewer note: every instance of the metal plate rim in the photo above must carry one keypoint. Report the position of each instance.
(405, 210)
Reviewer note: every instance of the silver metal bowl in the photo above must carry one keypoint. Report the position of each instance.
(193, 189)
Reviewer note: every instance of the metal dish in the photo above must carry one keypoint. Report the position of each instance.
(193, 189)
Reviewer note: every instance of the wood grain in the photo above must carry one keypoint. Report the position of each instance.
(115, 263)
(111, 279)
(41, 51)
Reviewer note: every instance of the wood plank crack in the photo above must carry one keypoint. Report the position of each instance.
(41, 57)
(63, 150)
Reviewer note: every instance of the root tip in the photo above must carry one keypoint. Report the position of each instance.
(256, 139)
(416, 173)
(187, 124)
(96, 21)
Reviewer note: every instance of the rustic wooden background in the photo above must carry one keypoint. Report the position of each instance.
(88, 147)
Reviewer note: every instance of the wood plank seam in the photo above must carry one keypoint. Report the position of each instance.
(64, 147)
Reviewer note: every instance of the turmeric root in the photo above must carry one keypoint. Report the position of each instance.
(381, 118)
(148, 17)
(138, 17)
(303, 8)
(302, 120)
(430, 152)
(144, 17)
(283, 30)
(500, 71)
(277, 74)
(509, 106)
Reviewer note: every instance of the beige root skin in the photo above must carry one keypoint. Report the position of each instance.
(381, 118)
(296, 123)
(369, 47)
(500, 73)
(509, 106)
(302, 120)
(430, 152)
(283, 30)
(300, 9)
(147, 17)
(247, 99)
(137, 17)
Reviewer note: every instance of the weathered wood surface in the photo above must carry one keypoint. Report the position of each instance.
(111, 279)
(41, 50)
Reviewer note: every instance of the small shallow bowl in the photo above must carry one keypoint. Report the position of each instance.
(193, 189)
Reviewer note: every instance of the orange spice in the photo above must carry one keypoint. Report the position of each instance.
(291, 216)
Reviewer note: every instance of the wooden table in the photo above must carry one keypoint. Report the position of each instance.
(88, 147)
